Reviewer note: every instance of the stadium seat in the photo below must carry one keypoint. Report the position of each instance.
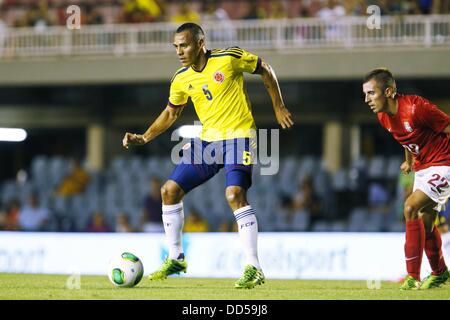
(338, 226)
(377, 167)
(357, 220)
(393, 167)
(280, 221)
(396, 227)
(340, 180)
(375, 222)
(321, 226)
(300, 221)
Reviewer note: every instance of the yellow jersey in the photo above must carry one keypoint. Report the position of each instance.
(218, 93)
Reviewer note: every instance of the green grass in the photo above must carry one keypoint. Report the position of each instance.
(33, 286)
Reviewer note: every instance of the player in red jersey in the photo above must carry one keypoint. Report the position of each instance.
(423, 130)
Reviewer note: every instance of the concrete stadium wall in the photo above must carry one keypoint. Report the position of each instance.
(289, 65)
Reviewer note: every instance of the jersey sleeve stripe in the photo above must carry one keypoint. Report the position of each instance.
(226, 54)
(236, 52)
(170, 104)
(178, 72)
(258, 64)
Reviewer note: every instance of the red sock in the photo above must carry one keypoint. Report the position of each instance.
(433, 245)
(414, 246)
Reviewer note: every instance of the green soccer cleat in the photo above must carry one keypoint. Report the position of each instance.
(169, 267)
(410, 283)
(251, 277)
(433, 281)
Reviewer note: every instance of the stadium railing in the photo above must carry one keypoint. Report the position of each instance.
(300, 33)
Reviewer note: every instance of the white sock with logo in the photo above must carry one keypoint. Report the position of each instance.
(173, 220)
(248, 234)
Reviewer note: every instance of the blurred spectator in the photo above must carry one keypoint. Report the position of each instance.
(194, 222)
(2, 218)
(152, 208)
(283, 217)
(139, 11)
(3, 31)
(212, 12)
(255, 11)
(75, 182)
(307, 199)
(411, 7)
(123, 223)
(442, 219)
(333, 9)
(277, 10)
(442, 224)
(378, 199)
(98, 223)
(313, 8)
(185, 14)
(425, 6)
(33, 217)
(355, 7)
(39, 16)
(91, 15)
(12, 215)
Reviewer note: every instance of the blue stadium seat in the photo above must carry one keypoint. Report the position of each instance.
(357, 220)
(375, 222)
(300, 221)
(338, 226)
(393, 167)
(321, 226)
(280, 221)
(396, 227)
(377, 167)
(58, 167)
(340, 180)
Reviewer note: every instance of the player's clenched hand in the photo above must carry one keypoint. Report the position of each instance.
(284, 117)
(133, 139)
(405, 167)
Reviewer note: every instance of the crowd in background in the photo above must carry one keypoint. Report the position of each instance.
(42, 13)
(381, 196)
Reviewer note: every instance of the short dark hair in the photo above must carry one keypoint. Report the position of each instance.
(382, 76)
(193, 28)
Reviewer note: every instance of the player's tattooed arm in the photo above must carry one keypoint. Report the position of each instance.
(284, 117)
(161, 124)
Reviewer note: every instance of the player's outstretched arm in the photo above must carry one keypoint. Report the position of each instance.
(284, 117)
(161, 124)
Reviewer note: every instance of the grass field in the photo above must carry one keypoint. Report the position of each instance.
(47, 287)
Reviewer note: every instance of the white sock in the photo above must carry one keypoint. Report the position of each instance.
(248, 234)
(173, 220)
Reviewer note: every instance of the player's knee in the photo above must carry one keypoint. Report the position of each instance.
(170, 193)
(410, 211)
(234, 195)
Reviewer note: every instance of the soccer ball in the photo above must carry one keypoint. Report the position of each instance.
(125, 270)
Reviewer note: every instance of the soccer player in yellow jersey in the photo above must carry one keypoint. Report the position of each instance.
(213, 79)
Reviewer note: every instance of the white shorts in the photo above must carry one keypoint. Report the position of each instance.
(435, 183)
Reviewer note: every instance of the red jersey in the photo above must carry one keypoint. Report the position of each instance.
(418, 126)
